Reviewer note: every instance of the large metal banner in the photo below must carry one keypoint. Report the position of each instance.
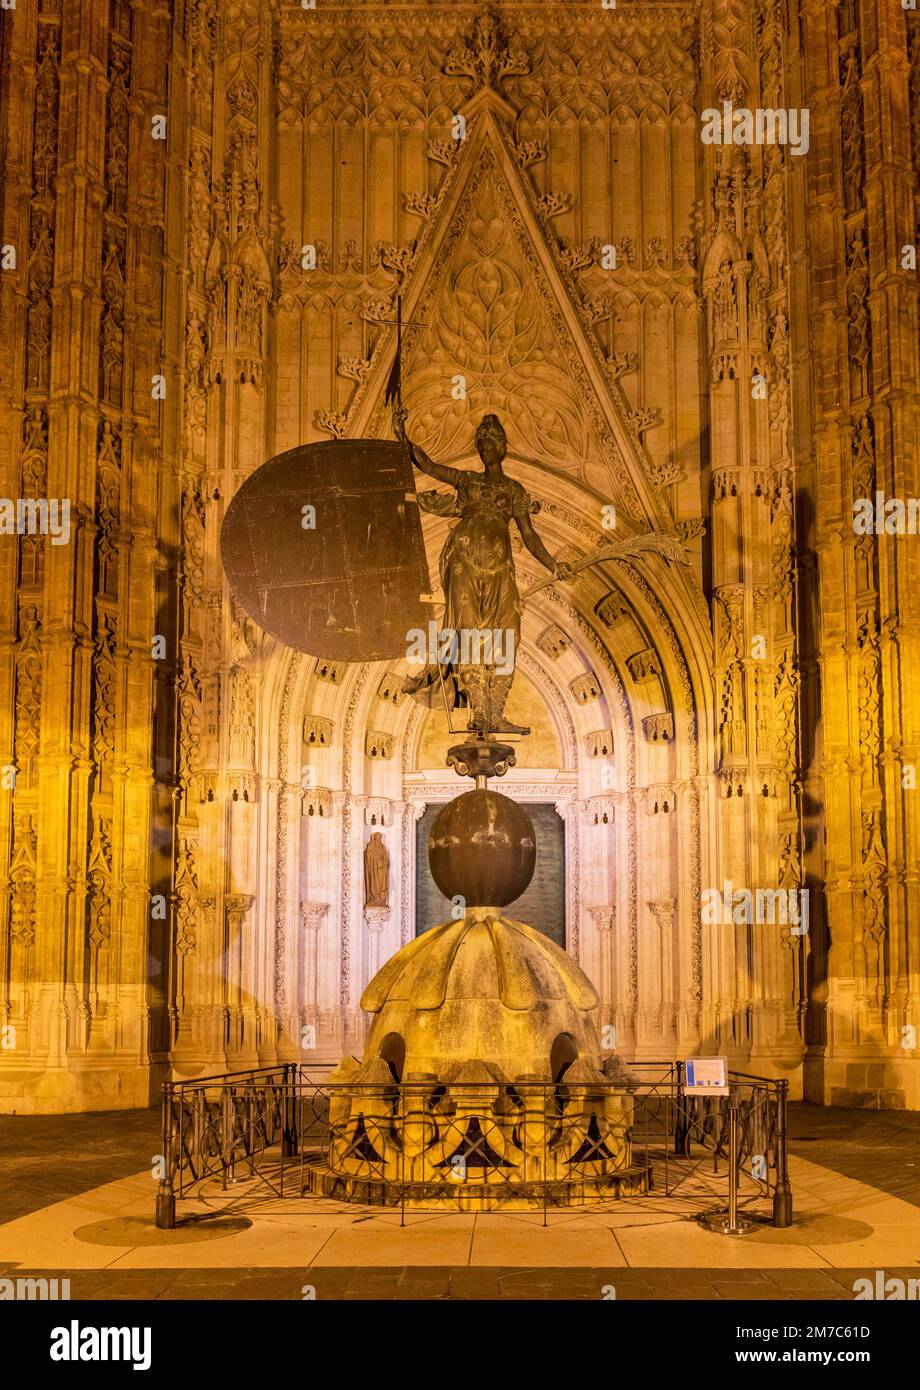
(323, 549)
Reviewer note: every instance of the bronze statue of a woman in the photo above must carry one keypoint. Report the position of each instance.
(477, 574)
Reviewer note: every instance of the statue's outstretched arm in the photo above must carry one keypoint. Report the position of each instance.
(537, 548)
(423, 463)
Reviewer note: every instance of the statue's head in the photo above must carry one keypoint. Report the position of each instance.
(491, 440)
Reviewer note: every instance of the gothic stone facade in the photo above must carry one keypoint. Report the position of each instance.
(208, 207)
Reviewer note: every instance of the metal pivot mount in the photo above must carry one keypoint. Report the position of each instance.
(481, 759)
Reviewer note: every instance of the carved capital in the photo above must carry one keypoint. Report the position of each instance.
(312, 915)
(553, 641)
(603, 918)
(236, 906)
(600, 743)
(663, 910)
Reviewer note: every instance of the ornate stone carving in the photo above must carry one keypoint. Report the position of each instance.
(644, 666)
(376, 918)
(486, 54)
(378, 744)
(236, 907)
(553, 642)
(99, 884)
(659, 800)
(690, 530)
(185, 896)
(23, 871)
(600, 743)
(585, 688)
(332, 671)
(663, 912)
(601, 810)
(377, 810)
(319, 802)
(390, 688)
(613, 609)
(658, 728)
(312, 915)
(317, 731)
(603, 919)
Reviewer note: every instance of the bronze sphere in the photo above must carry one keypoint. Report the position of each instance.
(482, 848)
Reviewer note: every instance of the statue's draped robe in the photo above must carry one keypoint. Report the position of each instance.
(477, 573)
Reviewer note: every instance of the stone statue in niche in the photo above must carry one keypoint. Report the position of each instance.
(376, 872)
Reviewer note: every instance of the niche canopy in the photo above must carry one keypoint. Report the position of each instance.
(345, 580)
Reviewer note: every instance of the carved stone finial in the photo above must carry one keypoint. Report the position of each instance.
(486, 54)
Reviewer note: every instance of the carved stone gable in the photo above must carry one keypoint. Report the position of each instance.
(503, 330)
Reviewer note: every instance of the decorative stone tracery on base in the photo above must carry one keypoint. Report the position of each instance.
(536, 1120)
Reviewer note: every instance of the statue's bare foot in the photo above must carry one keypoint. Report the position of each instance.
(504, 726)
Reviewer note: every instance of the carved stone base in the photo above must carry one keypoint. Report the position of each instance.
(635, 1180)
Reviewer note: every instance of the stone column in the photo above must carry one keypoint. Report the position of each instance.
(603, 924)
(312, 917)
(376, 920)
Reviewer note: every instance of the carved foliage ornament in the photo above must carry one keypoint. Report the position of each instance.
(486, 54)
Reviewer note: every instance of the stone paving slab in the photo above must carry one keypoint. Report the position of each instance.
(46, 1158)
(881, 1147)
(422, 1283)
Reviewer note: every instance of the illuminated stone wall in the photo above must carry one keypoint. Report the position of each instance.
(717, 341)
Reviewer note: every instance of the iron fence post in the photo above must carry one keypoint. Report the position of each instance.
(682, 1127)
(782, 1192)
(289, 1133)
(402, 1151)
(166, 1196)
(733, 1159)
(546, 1105)
(226, 1148)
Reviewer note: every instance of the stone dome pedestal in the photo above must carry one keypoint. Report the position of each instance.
(481, 1083)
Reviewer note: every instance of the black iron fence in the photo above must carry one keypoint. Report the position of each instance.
(474, 1144)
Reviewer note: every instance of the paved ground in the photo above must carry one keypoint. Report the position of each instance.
(855, 1168)
(881, 1147)
(465, 1283)
(45, 1158)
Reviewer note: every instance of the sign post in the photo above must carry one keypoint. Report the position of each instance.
(708, 1076)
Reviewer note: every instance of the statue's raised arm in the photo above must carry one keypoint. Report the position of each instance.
(423, 463)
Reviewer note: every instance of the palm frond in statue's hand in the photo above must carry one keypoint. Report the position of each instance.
(669, 547)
